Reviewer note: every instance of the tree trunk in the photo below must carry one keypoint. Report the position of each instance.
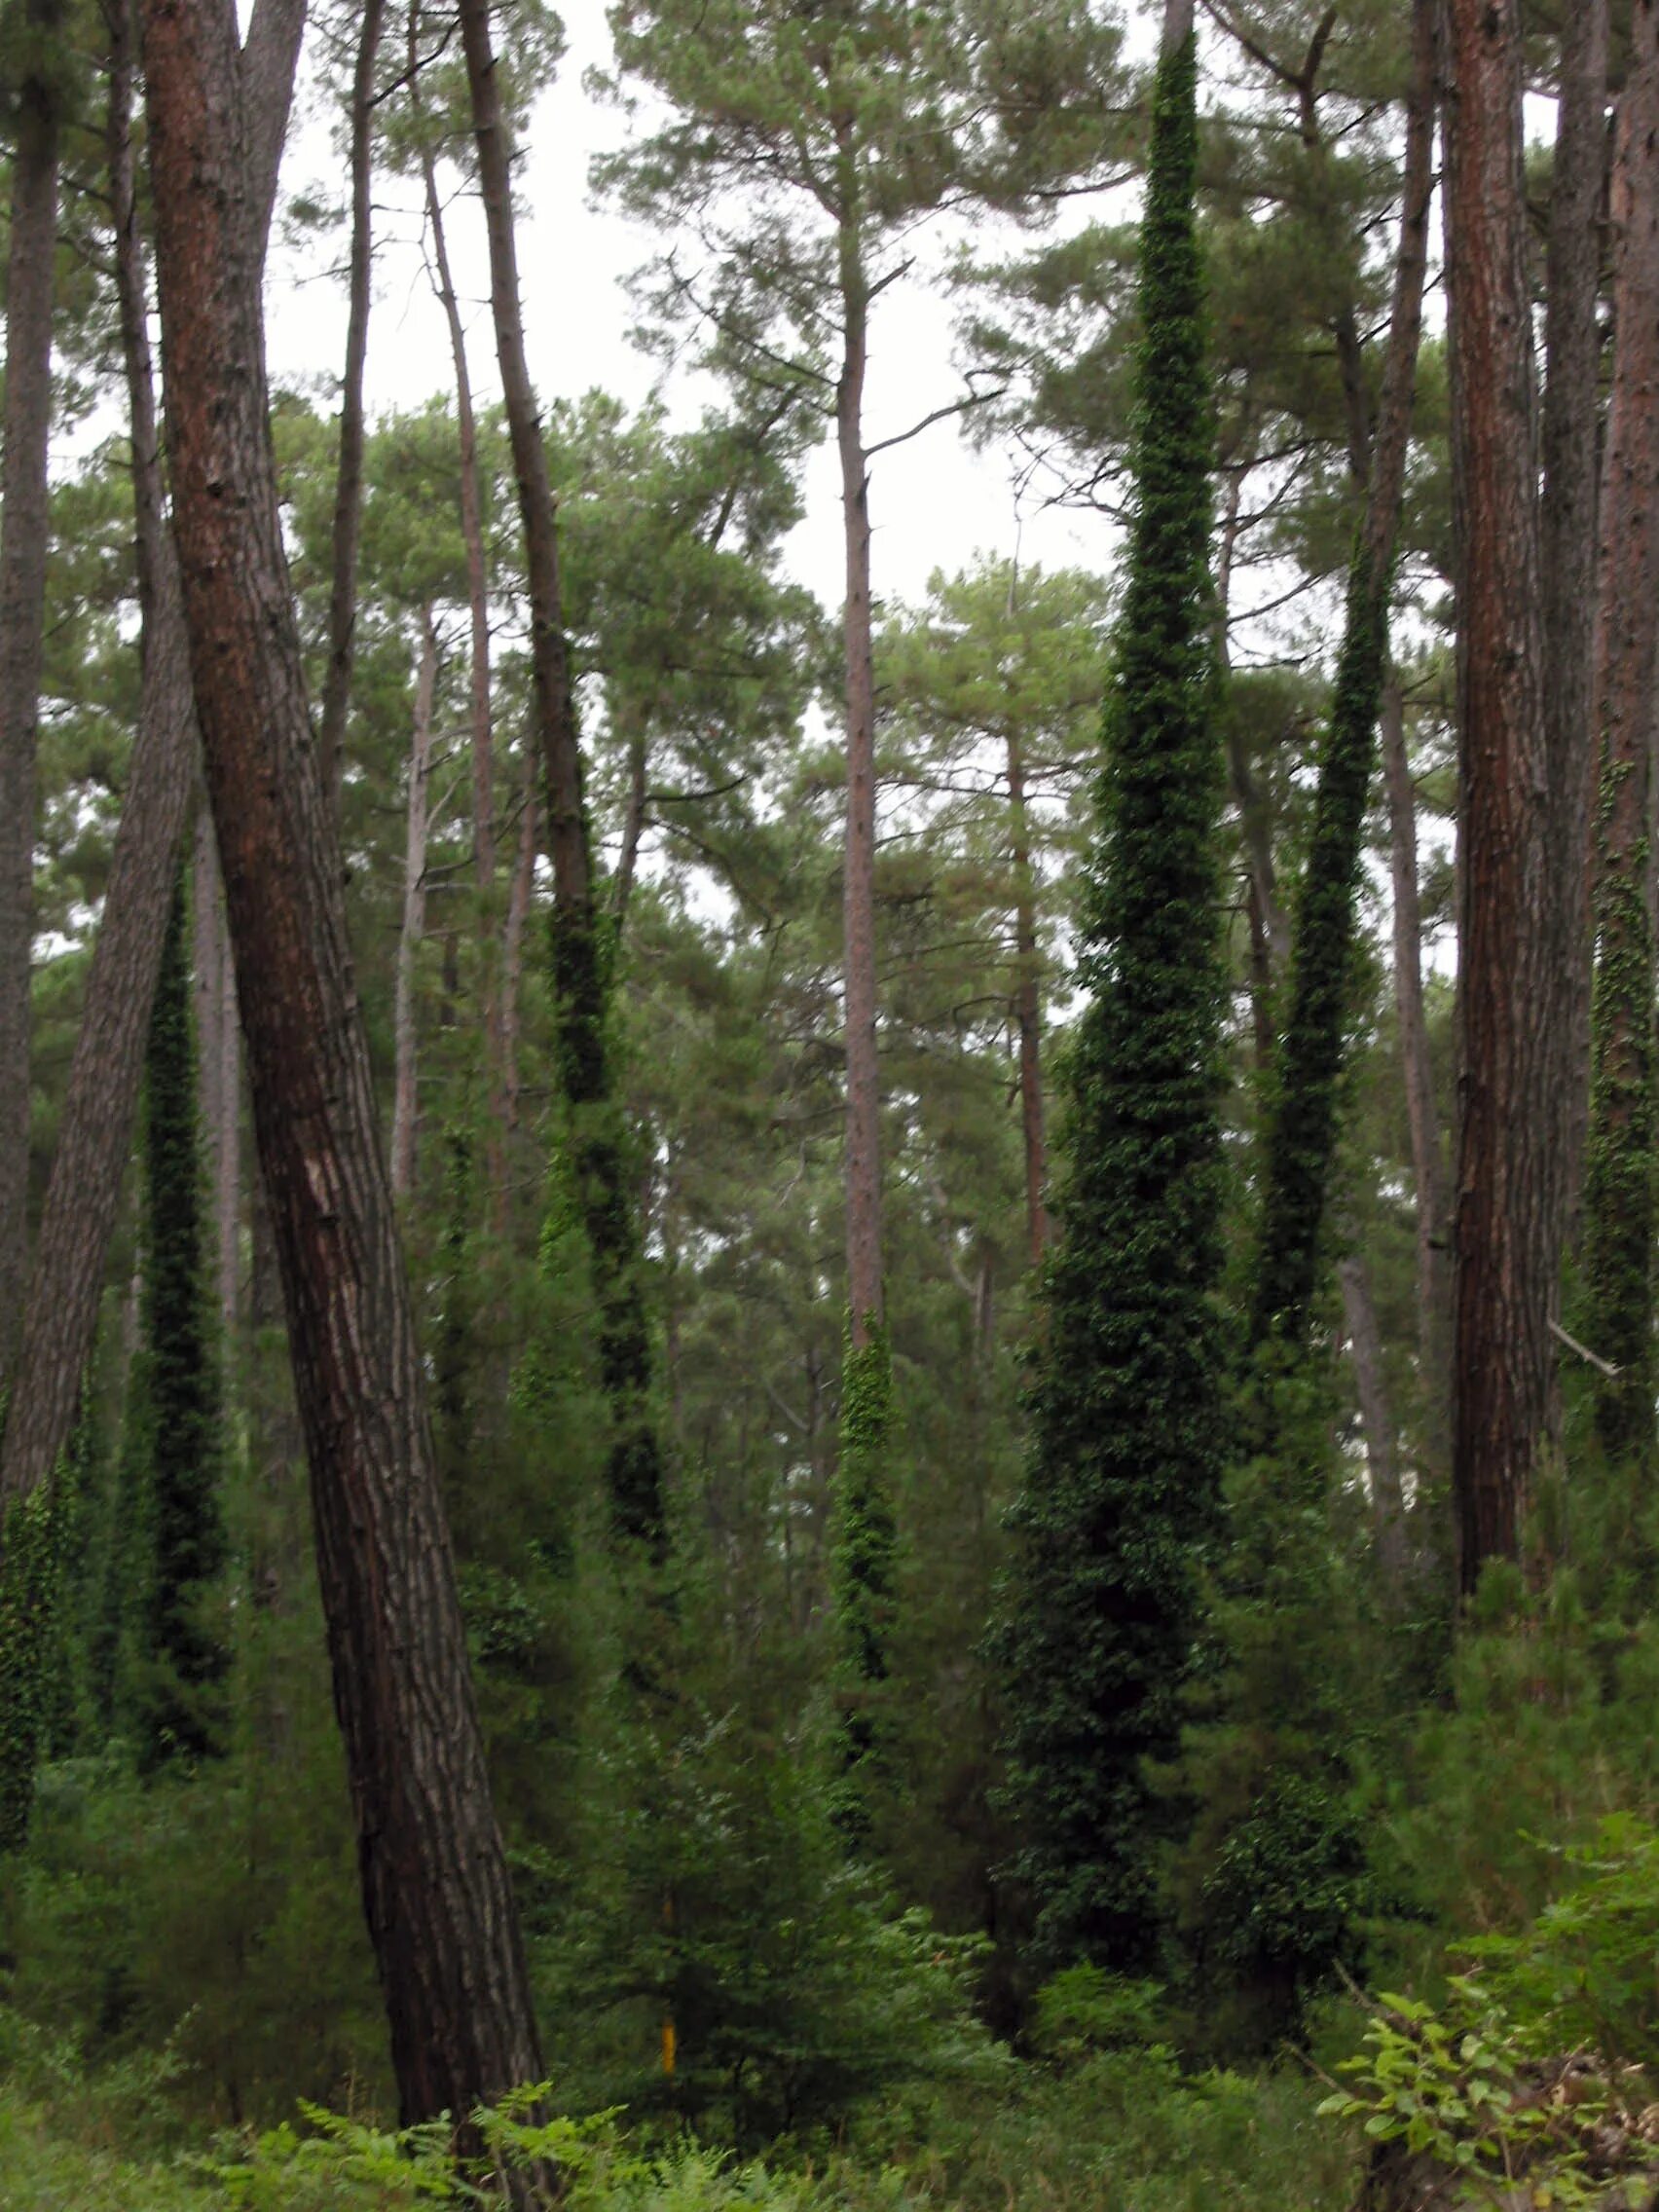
(24, 531)
(1365, 1339)
(598, 1152)
(1304, 1122)
(1433, 1283)
(634, 819)
(217, 1042)
(512, 948)
(1509, 1168)
(404, 1116)
(864, 1075)
(348, 476)
(435, 1885)
(1269, 924)
(479, 699)
(1567, 536)
(84, 1191)
(1027, 1006)
(1620, 1187)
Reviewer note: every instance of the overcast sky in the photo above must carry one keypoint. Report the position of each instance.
(934, 502)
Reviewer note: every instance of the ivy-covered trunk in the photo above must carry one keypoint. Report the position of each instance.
(183, 1657)
(1123, 1484)
(1303, 1123)
(596, 1136)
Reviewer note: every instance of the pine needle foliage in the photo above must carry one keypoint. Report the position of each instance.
(184, 1658)
(1124, 1479)
(1305, 1105)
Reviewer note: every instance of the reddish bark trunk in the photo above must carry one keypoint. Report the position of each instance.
(1509, 1166)
(435, 1885)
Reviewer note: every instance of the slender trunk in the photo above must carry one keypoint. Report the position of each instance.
(1619, 1185)
(1303, 1122)
(348, 478)
(864, 1077)
(404, 1118)
(1027, 1006)
(632, 821)
(599, 1151)
(84, 1191)
(23, 529)
(1509, 1166)
(512, 948)
(436, 1890)
(1365, 1340)
(1568, 541)
(478, 696)
(1269, 925)
(1428, 1179)
(217, 1041)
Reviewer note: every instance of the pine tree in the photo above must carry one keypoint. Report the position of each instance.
(183, 1660)
(1124, 1473)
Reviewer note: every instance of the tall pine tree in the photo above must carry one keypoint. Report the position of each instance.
(1124, 1478)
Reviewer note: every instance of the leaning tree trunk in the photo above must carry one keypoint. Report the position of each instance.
(1509, 1166)
(84, 1191)
(598, 1148)
(1620, 1187)
(23, 517)
(435, 1885)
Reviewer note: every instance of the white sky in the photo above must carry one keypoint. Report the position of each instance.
(934, 502)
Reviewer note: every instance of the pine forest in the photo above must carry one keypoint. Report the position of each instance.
(829, 1105)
